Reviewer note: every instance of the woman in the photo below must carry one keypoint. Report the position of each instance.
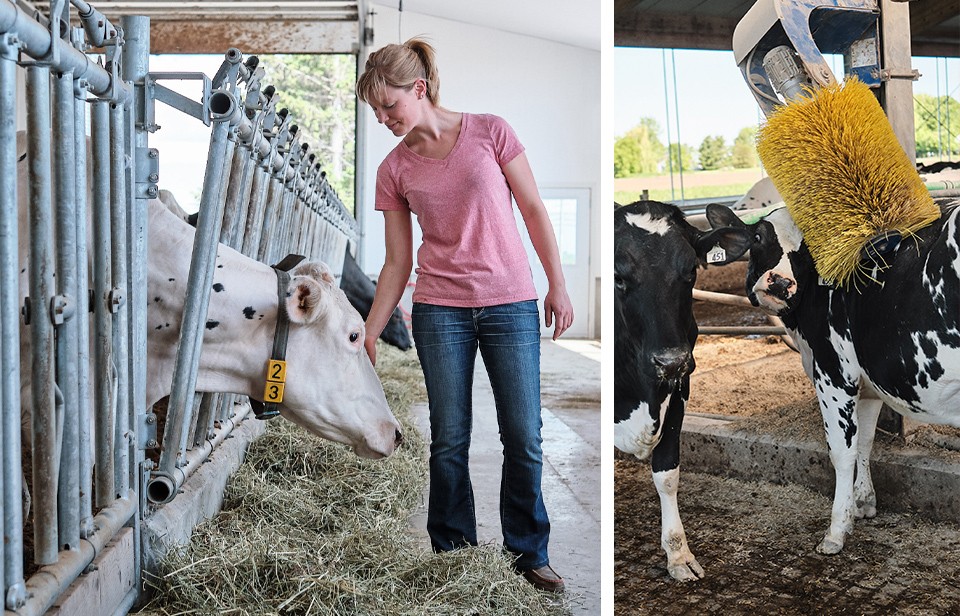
(456, 172)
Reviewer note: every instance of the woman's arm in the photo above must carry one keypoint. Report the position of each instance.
(556, 305)
(393, 277)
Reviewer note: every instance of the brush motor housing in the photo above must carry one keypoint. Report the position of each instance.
(806, 29)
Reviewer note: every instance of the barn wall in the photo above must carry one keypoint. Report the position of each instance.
(548, 91)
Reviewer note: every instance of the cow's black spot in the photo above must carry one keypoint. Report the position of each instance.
(219, 267)
(158, 327)
(171, 279)
(157, 299)
(249, 312)
(218, 287)
(212, 324)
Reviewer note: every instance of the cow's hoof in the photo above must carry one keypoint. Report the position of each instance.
(830, 546)
(686, 571)
(866, 508)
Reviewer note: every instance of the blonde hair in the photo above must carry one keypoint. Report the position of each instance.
(399, 66)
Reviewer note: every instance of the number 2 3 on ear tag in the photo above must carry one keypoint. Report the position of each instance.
(276, 377)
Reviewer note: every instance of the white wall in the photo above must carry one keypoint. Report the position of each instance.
(548, 91)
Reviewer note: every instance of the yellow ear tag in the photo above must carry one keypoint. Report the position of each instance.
(276, 377)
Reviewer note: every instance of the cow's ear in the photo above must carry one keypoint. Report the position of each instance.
(723, 245)
(306, 300)
(722, 216)
(315, 269)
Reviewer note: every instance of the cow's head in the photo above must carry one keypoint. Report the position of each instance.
(778, 258)
(331, 387)
(657, 255)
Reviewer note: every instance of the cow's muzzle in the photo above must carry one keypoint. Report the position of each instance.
(672, 365)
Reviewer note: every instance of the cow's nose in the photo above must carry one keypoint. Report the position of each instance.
(671, 366)
(778, 286)
(399, 438)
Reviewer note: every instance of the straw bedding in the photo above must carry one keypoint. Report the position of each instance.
(309, 528)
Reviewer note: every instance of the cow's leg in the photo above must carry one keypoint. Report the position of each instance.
(681, 563)
(840, 424)
(868, 410)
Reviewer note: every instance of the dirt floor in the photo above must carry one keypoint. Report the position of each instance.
(756, 541)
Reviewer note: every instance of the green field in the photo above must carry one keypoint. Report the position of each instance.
(689, 192)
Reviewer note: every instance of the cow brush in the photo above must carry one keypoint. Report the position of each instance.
(844, 177)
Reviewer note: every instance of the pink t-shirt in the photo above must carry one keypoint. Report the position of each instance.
(472, 254)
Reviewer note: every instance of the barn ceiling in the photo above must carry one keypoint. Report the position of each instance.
(253, 26)
(334, 26)
(709, 24)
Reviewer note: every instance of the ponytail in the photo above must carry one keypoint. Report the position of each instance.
(399, 66)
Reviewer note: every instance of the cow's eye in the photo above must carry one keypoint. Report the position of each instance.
(354, 336)
(619, 283)
(757, 238)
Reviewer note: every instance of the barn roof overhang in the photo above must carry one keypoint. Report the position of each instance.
(709, 24)
(253, 26)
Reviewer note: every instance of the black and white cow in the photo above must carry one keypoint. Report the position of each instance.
(657, 254)
(893, 340)
(360, 290)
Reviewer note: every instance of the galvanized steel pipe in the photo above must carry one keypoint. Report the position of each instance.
(10, 331)
(35, 40)
(104, 294)
(66, 319)
(44, 440)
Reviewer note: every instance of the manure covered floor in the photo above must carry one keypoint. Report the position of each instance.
(570, 398)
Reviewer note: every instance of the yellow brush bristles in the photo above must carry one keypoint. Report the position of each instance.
(842, 173)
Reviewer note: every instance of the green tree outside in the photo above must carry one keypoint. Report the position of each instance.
(743, 154)
(638, 151)
(713, 152)
(685, 153)
(933, 133)
(318, 89)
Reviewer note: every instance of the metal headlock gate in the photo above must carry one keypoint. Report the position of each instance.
(84, 386)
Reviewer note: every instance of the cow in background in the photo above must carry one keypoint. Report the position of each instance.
(893, 339)
(359, 289)
(657, 255)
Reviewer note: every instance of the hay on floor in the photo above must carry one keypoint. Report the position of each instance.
(309, 528)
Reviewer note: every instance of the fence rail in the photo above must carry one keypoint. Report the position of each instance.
(73, 237)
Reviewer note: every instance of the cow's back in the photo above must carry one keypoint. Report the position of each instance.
(905, 326)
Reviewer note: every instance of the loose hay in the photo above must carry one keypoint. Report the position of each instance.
(309, 528)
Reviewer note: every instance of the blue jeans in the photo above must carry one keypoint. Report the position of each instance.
(508, 337)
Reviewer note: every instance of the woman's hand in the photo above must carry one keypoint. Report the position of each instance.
(557, 310)
(370, 344)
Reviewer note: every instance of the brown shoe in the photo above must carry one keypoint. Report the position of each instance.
(544, 578)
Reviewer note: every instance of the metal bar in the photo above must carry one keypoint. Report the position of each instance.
(163, 486)
(10, 330)
(51, 581)
(722, 298)
(136, 60)
(202, 263)
(121, 323)
(743, 331)
(897, 94)
(85, 412)
(36, 42)
(67, 350)
(44, 442)
(104, 297)
(97, 27)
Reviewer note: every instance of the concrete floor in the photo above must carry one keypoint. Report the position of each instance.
(570, 392)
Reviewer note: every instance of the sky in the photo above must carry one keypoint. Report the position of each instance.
(713, 97)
